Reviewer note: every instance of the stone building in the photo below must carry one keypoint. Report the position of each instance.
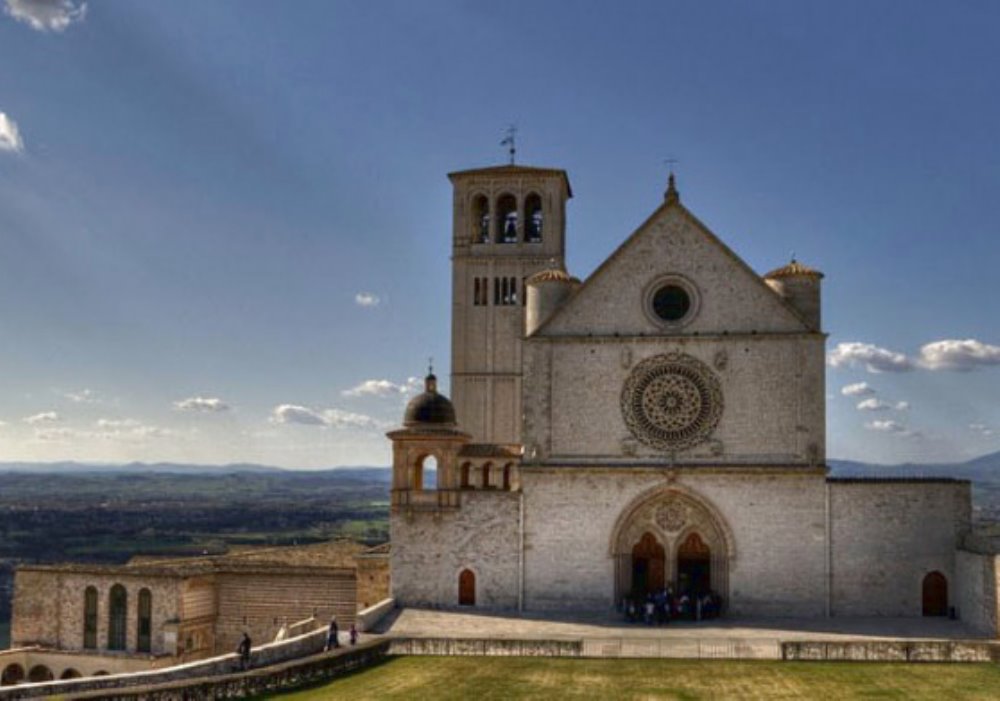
(661, 423)
(155, 612)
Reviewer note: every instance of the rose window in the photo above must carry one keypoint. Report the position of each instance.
(672, 402)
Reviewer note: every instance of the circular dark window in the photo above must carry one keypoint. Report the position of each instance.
(671, 302)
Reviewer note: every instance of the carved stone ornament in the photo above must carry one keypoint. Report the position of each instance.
(671, 402)
(721, 360)
(671, 517)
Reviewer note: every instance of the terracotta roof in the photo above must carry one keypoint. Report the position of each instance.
(513, 170)
(550, 275)
(793, 269)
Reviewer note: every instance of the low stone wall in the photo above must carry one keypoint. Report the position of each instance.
(486, 647)
(368, 618)
(265, 655)
(892, 651)
(260, 683)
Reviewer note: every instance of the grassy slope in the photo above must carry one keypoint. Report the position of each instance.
(485, 678)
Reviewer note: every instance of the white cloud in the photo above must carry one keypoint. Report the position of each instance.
(893, 427)
(10, 135)
(385, 388)
(44, 417)
(960, 355)
(858, 389)
(982, 430)
(47, 15)
(202, 404)
(873, 405)
(872, 357)
(128, 429)
(902, 406)
(52, 435)
(367, 299)
(331, 418)
(84, 396)
(296, 414)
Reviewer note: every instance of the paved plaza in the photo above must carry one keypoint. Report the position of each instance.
(420, 623)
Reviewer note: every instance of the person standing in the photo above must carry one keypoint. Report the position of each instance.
(354, 635)
(332, 635)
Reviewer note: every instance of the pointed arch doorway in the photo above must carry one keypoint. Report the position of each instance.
(648, 562)
(694, 565)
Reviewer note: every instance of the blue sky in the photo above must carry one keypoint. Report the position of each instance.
(225, 225)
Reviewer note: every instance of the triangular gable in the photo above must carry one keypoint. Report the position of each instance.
(732, 298)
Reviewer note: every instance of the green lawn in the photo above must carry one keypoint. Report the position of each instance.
(483, 678)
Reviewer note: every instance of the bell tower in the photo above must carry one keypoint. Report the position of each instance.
(509, 223)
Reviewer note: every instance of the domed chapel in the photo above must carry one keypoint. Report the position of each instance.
(659, 424)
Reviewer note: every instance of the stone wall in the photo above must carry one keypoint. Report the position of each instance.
(373, 580)
(49, 607)
(143, 684)
(260, 603)
(891, 651)
(776, 520)
(887, 535)
(431, 549)
(978, 582)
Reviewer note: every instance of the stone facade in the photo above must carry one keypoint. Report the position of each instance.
(887, 536)
(199, 606)
(669, 430)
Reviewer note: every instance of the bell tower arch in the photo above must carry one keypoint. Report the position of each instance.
(509, 222)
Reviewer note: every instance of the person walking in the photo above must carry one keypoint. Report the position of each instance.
(244, 651)
(354, 635)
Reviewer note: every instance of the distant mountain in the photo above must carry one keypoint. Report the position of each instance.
(76, 468)
(985, 469)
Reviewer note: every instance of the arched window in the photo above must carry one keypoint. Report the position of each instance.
(533, 218)
(486, 480)
(40, 673)
(506, 477)
(70, 674)
(421, 479)
(117, 617)
(90, 618)
(467, 588)
(481, 219)
(144, 639)
(466, 469)
(507, 219)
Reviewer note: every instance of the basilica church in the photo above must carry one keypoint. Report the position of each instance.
(659, 424)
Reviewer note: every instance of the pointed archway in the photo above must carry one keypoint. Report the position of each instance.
(649, 561)
(697, 544)
(694, 565)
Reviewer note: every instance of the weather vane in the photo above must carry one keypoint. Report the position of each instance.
(508, 141)
(670, 163)
(430, 365)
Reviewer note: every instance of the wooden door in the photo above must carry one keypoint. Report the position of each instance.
(935, 595)
(467, 588)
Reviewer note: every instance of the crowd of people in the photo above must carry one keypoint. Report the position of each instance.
(662, 606)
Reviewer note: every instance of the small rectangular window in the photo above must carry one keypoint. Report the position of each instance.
(496, 291)
(475, 292)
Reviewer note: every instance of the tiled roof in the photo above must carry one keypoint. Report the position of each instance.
(794, 269)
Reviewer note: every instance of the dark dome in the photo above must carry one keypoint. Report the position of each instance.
(430, 407)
